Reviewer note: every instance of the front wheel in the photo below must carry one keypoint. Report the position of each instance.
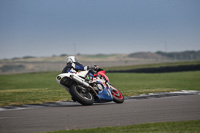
(117, 96)
(81, 95)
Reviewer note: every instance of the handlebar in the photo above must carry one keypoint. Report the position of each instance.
(94, 71)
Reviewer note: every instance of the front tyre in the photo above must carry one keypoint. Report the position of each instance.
(117, 96)
(81, 95)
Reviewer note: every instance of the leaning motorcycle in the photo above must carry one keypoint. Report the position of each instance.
(87, 89)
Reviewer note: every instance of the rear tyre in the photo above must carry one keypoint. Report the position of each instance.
(117, 96)
(81, 95)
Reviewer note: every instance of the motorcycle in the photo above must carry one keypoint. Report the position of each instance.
(87, 87)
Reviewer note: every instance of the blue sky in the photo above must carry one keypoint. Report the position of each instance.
(54, 27)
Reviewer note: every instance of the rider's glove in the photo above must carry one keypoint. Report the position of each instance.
(96, 67)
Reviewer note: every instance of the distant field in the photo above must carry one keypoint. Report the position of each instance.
(109, 62)
(29, 88)
(154, 65)
(99, 56)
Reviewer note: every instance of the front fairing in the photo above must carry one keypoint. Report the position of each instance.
(102, 73)
(105, 95)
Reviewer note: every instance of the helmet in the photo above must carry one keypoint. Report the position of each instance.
(71, 59)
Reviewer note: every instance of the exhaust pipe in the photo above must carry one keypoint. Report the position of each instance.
(82, 82)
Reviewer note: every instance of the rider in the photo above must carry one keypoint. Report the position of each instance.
(72, 66)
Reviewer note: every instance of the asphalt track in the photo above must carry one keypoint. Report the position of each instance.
(75, 116)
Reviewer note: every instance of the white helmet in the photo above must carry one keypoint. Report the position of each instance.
(71, 59)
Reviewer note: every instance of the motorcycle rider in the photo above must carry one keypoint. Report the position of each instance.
(72, 66)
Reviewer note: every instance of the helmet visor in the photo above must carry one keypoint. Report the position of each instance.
(71, 59)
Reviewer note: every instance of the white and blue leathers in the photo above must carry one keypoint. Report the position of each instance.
(74, 67)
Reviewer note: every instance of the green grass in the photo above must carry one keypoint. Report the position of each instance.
(29, 88)
(163, 127)
(134, 83)
(32, 88)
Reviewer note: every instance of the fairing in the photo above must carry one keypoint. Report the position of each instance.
(105, 95)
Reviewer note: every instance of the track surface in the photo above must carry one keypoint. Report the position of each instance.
(75, 116)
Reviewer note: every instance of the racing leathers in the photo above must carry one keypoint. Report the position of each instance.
(74, 67)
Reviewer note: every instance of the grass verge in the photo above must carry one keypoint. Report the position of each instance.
(163, 127)
(33, 88)
(30, 88)
(135, 84)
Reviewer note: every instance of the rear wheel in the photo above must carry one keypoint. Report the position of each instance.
(81, 95)
(117, 96)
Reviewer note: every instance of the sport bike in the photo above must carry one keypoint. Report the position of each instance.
(87, 87)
